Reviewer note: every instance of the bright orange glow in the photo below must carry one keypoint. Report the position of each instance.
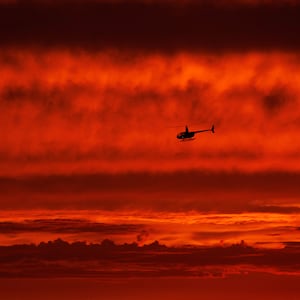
(114, 112)
(262, 230)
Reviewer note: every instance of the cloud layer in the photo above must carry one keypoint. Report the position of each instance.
(179, 191)
(61, 259)
(74, 112)
(152, 26)
(259, 229)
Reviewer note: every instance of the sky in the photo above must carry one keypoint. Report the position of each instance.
(96, 192)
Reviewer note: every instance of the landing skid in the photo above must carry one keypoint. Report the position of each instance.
(188, 139)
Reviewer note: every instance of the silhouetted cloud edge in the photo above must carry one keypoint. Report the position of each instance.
(61, 259)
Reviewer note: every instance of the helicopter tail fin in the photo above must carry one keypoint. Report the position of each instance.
(213, 129)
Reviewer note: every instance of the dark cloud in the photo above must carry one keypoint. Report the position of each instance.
(238, 232)
(44, 98)
(276, 100)
(165, 27)
(142, 236)
(277, 209)
(292, 244)
(60, 259)
(67, 226)
(179, 191)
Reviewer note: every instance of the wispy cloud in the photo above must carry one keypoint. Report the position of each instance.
(67, 226)
(271, 230)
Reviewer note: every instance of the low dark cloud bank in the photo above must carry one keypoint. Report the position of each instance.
(59, 259)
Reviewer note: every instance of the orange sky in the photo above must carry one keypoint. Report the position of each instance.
(92, 97)
(112, 111)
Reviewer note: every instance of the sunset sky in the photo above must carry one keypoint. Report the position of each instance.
(96, 192)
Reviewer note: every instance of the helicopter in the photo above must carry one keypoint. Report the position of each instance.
(189, 135)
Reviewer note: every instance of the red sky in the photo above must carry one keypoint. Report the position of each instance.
(112, 111)
(92, 96)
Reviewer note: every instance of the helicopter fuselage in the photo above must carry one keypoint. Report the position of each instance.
(189, 135)
(185, 135)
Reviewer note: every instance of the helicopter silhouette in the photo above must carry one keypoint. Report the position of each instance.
(189, 135)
